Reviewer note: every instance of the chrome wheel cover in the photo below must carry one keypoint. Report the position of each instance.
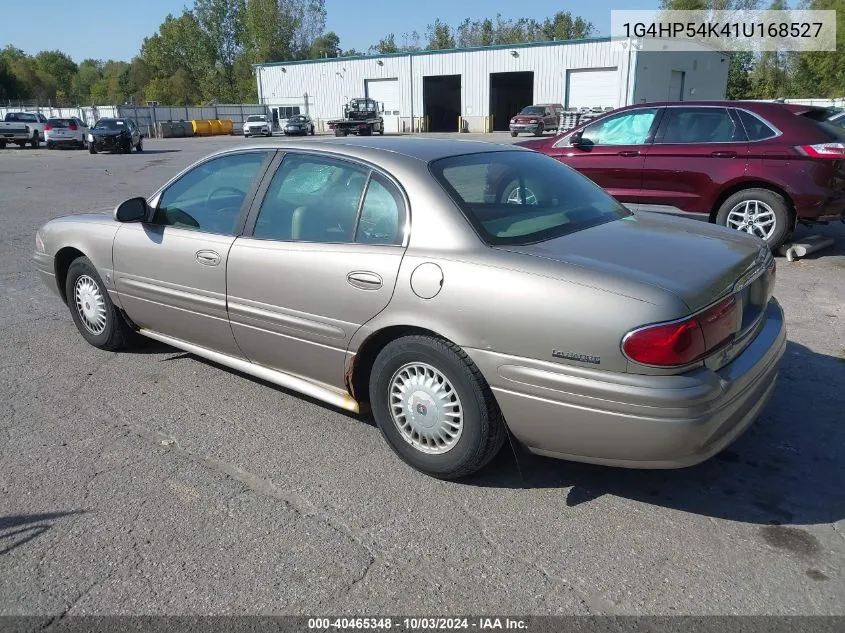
(516, 196)
(753, 216)
(425, 408)
(90, 304)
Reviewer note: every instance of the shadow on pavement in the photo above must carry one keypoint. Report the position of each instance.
(18, 529)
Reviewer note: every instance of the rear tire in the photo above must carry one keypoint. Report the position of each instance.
(760, 212)
(35, 142)
(411, 379)
(50, 145)
(93, 312)
(514, 133)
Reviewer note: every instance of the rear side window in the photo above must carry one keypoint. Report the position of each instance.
(756, 129)
(698, 125)
(519, 197)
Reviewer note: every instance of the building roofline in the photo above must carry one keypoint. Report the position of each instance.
(443, 51)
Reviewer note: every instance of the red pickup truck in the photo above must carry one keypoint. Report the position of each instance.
(539, 118)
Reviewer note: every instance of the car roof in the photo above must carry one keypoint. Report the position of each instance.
(382, 148)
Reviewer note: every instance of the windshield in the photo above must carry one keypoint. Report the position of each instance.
(522, 197)
(532, 110)
(109, 124)
(297, 119)
(256, 117)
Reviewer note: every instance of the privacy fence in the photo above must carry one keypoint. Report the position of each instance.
(150, 118)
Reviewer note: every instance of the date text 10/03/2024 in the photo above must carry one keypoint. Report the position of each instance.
(417, 624)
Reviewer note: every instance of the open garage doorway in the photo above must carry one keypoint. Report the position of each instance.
(509, 93)
(442, 102)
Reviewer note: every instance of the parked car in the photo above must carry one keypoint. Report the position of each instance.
(536, 119)
(22, 128)
(66, 131)
(559, 313)
(299, 124)
(115, 135)
(257, 125)
(758, 167)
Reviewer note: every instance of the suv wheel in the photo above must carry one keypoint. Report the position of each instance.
(760, 212)
(540, 129)
(434, 407)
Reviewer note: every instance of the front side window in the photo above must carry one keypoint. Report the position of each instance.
(625, 128)
(209, 198)
(699, 125)
(519, 197)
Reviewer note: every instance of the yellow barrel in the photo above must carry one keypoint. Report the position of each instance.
(227, 126)
(201, 127)
(216, 127)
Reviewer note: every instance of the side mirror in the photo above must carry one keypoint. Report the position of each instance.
(575, 139)
(132, 210)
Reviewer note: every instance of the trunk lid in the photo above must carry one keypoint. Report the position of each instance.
(697, 262)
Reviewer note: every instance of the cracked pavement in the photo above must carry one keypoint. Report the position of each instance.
(154, 482)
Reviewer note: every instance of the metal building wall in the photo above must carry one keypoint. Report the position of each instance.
(705, 75)
(330, 83)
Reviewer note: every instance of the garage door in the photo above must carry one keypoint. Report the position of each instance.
(592, 88)
(384, 91)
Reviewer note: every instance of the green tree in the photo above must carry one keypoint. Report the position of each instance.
(327, 45)
(57, 69)
(739, 75)
(222, 22)
(440, 36)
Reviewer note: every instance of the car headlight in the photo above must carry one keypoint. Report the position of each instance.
(533, 121)
(39, 242)
(90, 138)
(513, 120)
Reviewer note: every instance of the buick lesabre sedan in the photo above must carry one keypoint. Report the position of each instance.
(456, 289)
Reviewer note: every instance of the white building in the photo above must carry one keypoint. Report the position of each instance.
(486, 86)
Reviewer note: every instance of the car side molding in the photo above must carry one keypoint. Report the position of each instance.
(306, 387)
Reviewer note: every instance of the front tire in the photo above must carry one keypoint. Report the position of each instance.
(514, 134)
(434, 407)
(92, 309)
(91, 148)
(140, 146)
(539, 130)
(760, 212)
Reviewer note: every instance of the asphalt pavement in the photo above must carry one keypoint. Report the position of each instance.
(154, 482)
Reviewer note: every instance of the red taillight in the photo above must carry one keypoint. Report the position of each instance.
(683, 342)
(72, 126)
(48, 127)
(823, 150)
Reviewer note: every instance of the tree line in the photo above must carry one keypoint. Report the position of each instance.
(206, 54)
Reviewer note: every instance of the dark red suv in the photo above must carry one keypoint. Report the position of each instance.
(758, 167)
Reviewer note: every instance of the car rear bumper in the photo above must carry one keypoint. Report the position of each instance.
(63, 140)
(632, 420)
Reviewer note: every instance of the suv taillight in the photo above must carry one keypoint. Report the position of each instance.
(682, 342)
(48, 127)
(823, 150)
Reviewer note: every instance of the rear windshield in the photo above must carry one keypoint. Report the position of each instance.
(60, 122)
(522, 197)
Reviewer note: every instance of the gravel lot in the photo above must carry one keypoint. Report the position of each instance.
(157, 483)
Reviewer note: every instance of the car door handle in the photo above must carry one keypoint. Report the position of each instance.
(723, 154)
(208, 258)
(364, 280)
(628, 153)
